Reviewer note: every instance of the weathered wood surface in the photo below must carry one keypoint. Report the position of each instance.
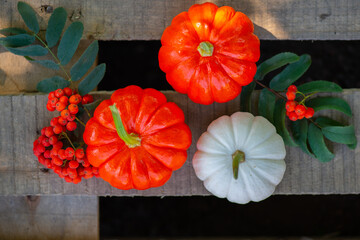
(22, 116)
(19, 75)
(147, 19)
(49, 217)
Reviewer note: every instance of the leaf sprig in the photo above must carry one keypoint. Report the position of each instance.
(21, 42)
(308, 134)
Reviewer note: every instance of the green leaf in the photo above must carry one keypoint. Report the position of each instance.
(70, 42)
(319, 86)
(274, 63)
(17, 40)
(267, 104)
(92, 80)
(33, 50)
(55, 26)
(317, 144)
(29, 16)
(291, 73)
(299, 131)
(336, 103)
(12, 31)
(326, 122)
(46, 63)
(340, 134)
(91, 106)
(51, 84)
(85, 62)
(246, 92)
(279, 123)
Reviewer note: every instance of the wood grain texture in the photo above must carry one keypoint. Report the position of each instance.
(19, 75)
(147, 19)
(24, 115)
(49, 217)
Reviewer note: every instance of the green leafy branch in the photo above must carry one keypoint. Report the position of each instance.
(308, 134)
(21, 42)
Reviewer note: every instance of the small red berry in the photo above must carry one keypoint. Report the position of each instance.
(290, 105)
(40, 148)
(36, 142)
(73, 164)
(60, 106)
(67, 91)
(53, 139)
(69, 152)
(54, 101)
(95, 170)
(80, 171)
(54, 121)
(50, 108)
(292, 88)
(49, 131)
(45, 142)
(293, 116)
(79, 153)
(87, 176)
(71, 126)
(65, 113)
(51, 95)
(290, 95)
(62, 154)
(48, 163)
(64, 100)
(75, 99)
(47, 154)
(76, 180)
(57, 128)
(43, 131)
(62, 121)
(87, 99)
(300, 110)
(72, 172)
(71, 118)
(42, 159)
(57, 169)
(64, 172)
(309, 112)
(86, 163)
(73, 108)
(54, 152)
(57, 161)
(59, 93)
(58, 145)
(68, 179)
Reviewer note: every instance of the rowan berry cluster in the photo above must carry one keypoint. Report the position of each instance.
(296, 110)
(69, 163)
(66, 102)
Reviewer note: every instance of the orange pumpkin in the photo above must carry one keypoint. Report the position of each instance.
(209, 53)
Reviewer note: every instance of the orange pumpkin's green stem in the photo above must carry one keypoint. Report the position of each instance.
(205, 49)
(238, 157)
(131, 140)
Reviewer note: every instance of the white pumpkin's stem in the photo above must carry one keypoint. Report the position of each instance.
(238, 157)
(131, 140)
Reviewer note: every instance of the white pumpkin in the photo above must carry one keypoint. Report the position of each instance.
(240, 157)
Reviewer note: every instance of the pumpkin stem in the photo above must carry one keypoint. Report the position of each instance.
(131, 140)
(238, 157)
(205, 49)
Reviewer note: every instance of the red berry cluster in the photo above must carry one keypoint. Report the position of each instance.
(69, 163)
(295, 110)
(66, 102)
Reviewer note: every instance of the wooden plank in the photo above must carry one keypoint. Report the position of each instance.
(19, 75)
(23, 115)
(147, 19)
(49, 217)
